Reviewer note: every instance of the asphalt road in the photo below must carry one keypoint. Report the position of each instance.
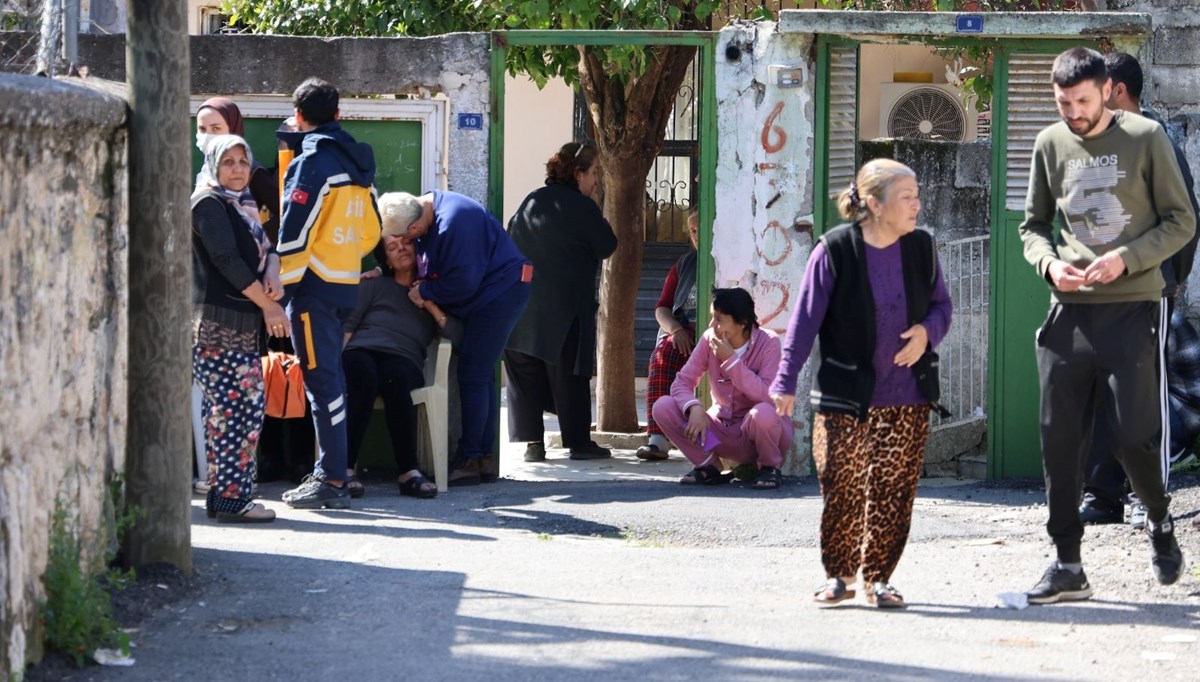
(635, 580)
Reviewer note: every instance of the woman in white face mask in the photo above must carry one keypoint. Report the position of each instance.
(221, 116)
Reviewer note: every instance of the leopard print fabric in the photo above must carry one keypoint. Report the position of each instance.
(868, 473)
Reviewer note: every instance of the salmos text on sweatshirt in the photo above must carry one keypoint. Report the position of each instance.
(1120, 190)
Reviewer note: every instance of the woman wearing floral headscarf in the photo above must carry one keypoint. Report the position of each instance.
(235, 274)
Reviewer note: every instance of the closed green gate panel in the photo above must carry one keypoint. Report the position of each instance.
(1023, 106)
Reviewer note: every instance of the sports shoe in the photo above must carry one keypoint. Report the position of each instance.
(590, 451)
(318, 495)
(1060, 584)
(1137, 515)
(310, 483)
(1167, 561)
(1093, 513)
(535, 452)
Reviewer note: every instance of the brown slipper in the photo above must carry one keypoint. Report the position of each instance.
(251, 513)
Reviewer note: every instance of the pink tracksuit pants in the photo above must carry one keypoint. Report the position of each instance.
(760, 437)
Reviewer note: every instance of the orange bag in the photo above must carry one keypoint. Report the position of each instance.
(283, 384)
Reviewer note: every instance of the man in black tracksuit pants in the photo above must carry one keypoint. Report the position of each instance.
(1104, 487)
(1112, 182)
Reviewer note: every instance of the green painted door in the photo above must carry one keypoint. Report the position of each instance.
(1022, 106)
(836, 133)
(397, 146)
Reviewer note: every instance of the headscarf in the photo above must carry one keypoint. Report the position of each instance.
(229, 111)
(206, 182)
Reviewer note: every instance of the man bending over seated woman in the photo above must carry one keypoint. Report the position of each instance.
(384, 354)
(740, 360)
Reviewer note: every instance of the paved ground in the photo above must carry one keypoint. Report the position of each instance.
(645, 580)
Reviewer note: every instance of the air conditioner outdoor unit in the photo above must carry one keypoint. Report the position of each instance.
(925, 111)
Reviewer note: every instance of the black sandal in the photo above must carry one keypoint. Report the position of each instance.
(769, 478)
(705, 475)
(355, 486)
(832, 593)
(884, 596)
(414, 487)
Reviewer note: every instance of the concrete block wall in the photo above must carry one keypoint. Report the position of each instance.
(456, 65)
(763, 231)
(63, 330)
(1172, 69)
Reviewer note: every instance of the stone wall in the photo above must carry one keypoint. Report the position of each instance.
(1172, 68)
(455, 65)
(63, 330)
(763, 230)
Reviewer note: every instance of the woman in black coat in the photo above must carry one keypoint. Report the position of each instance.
(550, 355)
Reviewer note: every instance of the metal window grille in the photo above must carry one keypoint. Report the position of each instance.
(964, 352)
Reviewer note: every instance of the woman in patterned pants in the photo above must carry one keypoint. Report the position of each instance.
(236, 285)
(873, 293)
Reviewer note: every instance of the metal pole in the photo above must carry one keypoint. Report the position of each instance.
(159, 458)
(70, 51)
(51, 34)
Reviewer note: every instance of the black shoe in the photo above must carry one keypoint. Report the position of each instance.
(535, 452)
(651, 452)
(320, 495)
(1060, 584)
(1093, 513)
(1167, 562)
(590, 451)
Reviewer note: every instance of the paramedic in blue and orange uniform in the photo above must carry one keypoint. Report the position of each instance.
(330, 221)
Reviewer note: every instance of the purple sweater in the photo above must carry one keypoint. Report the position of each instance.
(894, 385)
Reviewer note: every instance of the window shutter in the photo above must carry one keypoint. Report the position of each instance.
(1031, 108)
(843, 117)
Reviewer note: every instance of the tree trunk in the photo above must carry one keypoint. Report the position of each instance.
(630, 119)
(159, 463)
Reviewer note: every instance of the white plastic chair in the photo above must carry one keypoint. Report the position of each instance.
(433, 413)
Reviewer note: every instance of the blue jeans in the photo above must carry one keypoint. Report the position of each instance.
(485, 331)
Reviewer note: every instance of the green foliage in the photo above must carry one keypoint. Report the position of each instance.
(977, 77)
(953, 5)
(77, 610)
(435, 17)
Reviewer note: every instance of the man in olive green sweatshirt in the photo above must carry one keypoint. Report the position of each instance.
(1112, 182)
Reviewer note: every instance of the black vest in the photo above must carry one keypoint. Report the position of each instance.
(845, 375)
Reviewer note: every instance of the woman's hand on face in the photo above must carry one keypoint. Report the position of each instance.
(276, 320)
(784, 404)
(720, 348)
(272, 285)
(697, 423)
(683, 341)
(912, 351)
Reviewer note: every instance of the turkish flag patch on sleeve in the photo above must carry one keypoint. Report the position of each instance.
(298, 196)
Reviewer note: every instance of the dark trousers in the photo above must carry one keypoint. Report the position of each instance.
(317, 336)
(1104, 484)
(485, 331)
(373, 373)
(1108, 349)
(535, 386)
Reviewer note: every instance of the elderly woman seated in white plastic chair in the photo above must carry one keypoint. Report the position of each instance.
(386, 338)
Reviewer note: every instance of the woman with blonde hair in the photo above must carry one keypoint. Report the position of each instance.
(874, 295)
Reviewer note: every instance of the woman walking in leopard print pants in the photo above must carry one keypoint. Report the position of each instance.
(873, 293)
